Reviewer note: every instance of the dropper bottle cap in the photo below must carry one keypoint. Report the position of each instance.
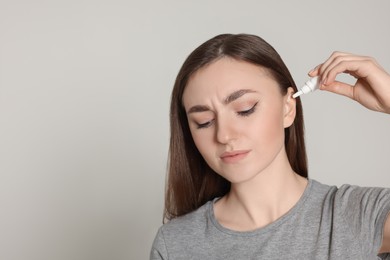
(311, 85)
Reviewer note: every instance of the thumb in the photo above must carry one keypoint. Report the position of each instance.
(340, 88)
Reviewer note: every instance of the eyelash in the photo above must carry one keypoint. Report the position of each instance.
(240, 113)
(248, 112)
(204, 125)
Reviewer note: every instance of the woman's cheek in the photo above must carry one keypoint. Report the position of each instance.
(201, 141)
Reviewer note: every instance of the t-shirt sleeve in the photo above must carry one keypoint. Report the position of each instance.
(159, 250)
(364, 211)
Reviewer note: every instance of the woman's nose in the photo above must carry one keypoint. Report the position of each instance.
(225, 131)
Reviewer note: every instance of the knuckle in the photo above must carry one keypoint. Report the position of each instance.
(336, 53)
(339, 59)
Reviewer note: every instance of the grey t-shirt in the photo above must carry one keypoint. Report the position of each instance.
(326, 223)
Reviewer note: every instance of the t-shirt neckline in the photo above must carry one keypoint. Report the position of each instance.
(267, 228)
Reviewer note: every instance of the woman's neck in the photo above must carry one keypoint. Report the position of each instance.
(262, 200)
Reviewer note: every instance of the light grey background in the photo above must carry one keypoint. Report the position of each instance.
(84, 99)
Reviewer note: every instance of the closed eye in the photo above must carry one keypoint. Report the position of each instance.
(205, 125)
(248, 112)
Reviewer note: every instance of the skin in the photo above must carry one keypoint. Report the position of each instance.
(237, 117)
(371, 89)
(386, 237)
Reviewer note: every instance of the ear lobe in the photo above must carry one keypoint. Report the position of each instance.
(289, 108)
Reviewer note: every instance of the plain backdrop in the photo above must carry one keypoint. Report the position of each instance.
(84, 101)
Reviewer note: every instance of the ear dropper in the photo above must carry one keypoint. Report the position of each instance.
(310, 86)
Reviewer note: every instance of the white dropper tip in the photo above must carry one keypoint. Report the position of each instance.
(297, 94)
(310, 86)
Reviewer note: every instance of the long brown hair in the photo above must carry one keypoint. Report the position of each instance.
(190, 181)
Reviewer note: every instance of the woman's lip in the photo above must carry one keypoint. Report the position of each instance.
(234, 156)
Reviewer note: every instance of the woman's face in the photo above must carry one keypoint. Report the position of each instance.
(237, 117)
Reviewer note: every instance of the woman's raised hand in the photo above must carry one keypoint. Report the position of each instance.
(372, 88)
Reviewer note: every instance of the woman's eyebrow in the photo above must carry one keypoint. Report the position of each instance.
(198, 108)
(237, 94)
(230, 98)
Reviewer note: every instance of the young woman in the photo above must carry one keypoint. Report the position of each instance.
(238, 185)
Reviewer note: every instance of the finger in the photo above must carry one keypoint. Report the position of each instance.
(337, 60)
(332, 58)
(339, 88)
(314, 72)
(319, 69)
(356, 67)
(353, 65)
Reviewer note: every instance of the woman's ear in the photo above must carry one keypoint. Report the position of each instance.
(289, 108)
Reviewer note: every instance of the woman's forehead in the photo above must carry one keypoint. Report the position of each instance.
(226, 76)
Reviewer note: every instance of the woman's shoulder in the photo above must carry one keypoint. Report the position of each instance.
(345, 190)
(175, 234)
(192, 221)
(349, 196)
